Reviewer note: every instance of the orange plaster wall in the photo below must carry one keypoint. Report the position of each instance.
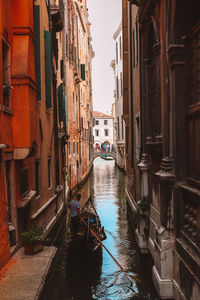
(20, 55)
(5, 133)
(22, 13)
(23, 76)
(21, 118)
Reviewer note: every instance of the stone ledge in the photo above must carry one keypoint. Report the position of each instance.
(25, 275)
(164, 287)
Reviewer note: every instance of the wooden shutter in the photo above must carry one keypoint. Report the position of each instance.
(66, 110)
(62, 69)
(61, 103)
(47, 44)
(83, 71)
(37, 49)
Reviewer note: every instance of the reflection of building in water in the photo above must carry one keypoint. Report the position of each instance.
(83, 273)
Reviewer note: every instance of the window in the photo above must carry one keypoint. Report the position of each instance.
(96, 132)
(96, 122)
(106, 132)
(6, 74)
(117, 53)
(47, 40)
(118, 134)
(120, 47)
(69, 150)
(8, 189)
(121, 84)
(136, 41)
(10, 203)
(133, 48)
(74, 147)
(74, 108)
(24, 181)
(77, 117)
(49, 173)
(105, 122)
(37, 49)
(137, 138)
(122, 125)
(117, 85)
(37, 177)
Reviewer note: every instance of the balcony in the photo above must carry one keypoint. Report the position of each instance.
(57, 14)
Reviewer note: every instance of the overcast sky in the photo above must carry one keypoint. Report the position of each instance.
(105, 17)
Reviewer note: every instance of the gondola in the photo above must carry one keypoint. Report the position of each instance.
(85, 240)
(106, 157)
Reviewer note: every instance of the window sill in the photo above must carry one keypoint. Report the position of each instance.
(49, 110)
(6, 109)
(189, 189)
(26, 199)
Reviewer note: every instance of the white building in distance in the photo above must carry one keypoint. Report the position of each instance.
(102, 131)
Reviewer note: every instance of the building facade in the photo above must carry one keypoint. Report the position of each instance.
(31, 153)
(119, 126)
(78, 66)
(102, 131)
(46, 140)
(161, 51)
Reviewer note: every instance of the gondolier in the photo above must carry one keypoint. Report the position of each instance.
(75, 214)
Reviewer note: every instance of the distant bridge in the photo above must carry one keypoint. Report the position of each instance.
(110, 153)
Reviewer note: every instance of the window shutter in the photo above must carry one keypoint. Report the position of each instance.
(66, 44)
(66, 110)
(62, 69)
(47, 44)
(61, 103)
(37, 49)
(83, 71)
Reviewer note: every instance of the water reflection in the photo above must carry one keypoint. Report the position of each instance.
(82, 275)
(83, 278)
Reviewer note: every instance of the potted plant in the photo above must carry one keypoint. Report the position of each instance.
(32, 239)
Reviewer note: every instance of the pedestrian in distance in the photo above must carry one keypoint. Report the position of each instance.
(75, 215)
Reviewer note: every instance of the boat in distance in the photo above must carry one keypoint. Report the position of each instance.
(106, 157)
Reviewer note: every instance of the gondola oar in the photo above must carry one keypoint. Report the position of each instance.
(96, 236)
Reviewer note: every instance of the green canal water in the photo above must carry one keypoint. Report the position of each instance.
(78, 277)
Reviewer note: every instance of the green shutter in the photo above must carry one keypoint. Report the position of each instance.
(83, 71)
(62, 69)
(47, 45)
(66, 109)
(37, 49)
(66, 44)
(61, 103)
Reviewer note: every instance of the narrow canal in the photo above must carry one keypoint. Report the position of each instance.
(98, 277)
